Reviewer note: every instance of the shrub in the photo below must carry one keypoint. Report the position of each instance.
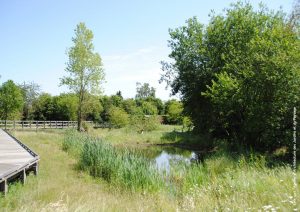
(174, 111)
(87, 127)
(143, 123)
(187, 123)
(149, 108)
(118, 117)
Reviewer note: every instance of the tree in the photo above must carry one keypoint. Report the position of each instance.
(11, 100)
(44, 108)
(84, 68)
(157, 103)
(118, 117)
(92, 108)
(30, 94)
(65, 107)
(294, 18)
(119, 93)
(144, 91)
(174, 111)
(129, 105)
(148, 108)
(239, 76)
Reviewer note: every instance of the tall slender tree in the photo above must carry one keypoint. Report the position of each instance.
(30, 92)
(84, 68)
(11, 100)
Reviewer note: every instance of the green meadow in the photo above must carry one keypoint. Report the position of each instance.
(89, 172)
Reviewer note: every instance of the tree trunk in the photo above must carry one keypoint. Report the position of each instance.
(5, 116)
(79, 118)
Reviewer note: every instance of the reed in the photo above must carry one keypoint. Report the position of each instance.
(118, 166)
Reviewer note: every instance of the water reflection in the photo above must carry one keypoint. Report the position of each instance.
(165, 159)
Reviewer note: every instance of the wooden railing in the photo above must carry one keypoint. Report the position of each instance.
(15, 124)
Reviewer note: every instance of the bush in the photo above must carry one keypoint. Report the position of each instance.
(187, 123)
(118, 117)
(149, 108)
(174, 111)
(143, 123)
(87, 127)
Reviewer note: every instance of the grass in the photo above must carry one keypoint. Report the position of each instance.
(116, 166)
(61, 187)
(130, 138)
(222, 182)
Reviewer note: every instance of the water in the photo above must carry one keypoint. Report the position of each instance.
(164, 160)
(167, 156)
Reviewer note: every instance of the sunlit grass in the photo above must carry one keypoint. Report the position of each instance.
(61, 187)
(117, 166)
(222, 182)
(129, 137)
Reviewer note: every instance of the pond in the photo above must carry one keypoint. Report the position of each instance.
(166, 156)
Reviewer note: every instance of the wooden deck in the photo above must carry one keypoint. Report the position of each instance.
(16, 159)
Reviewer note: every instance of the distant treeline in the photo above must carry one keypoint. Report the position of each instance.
(27, 103)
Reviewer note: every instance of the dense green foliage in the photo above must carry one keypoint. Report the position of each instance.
(143, 123)
(64, 107)
(118, 117)
(84, 68)
(238, 76)
(113, 111)
(11, 100)
(174, 112)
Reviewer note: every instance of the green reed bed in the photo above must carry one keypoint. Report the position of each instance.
(117, 166)
(222, 181)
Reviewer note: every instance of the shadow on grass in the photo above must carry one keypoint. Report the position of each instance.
(205, 147)
(187, 140)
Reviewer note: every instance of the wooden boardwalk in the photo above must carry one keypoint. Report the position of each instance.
(16, 159)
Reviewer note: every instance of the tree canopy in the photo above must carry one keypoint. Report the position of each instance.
(238, 77)
(144, 91)
(11, 100)
(84, 68)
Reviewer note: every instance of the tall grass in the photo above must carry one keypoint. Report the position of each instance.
(221, 182)
(117, 166)
(73, 142)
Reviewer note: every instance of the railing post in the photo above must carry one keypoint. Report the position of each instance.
(4, 187)
(14, 124)
(36, 169)
(22, 125)
(23, 176)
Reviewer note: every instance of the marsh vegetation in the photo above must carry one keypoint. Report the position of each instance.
(98, 173)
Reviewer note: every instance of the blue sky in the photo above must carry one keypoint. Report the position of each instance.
(131, 37)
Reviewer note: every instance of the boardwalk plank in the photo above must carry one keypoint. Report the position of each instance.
(14, 159)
